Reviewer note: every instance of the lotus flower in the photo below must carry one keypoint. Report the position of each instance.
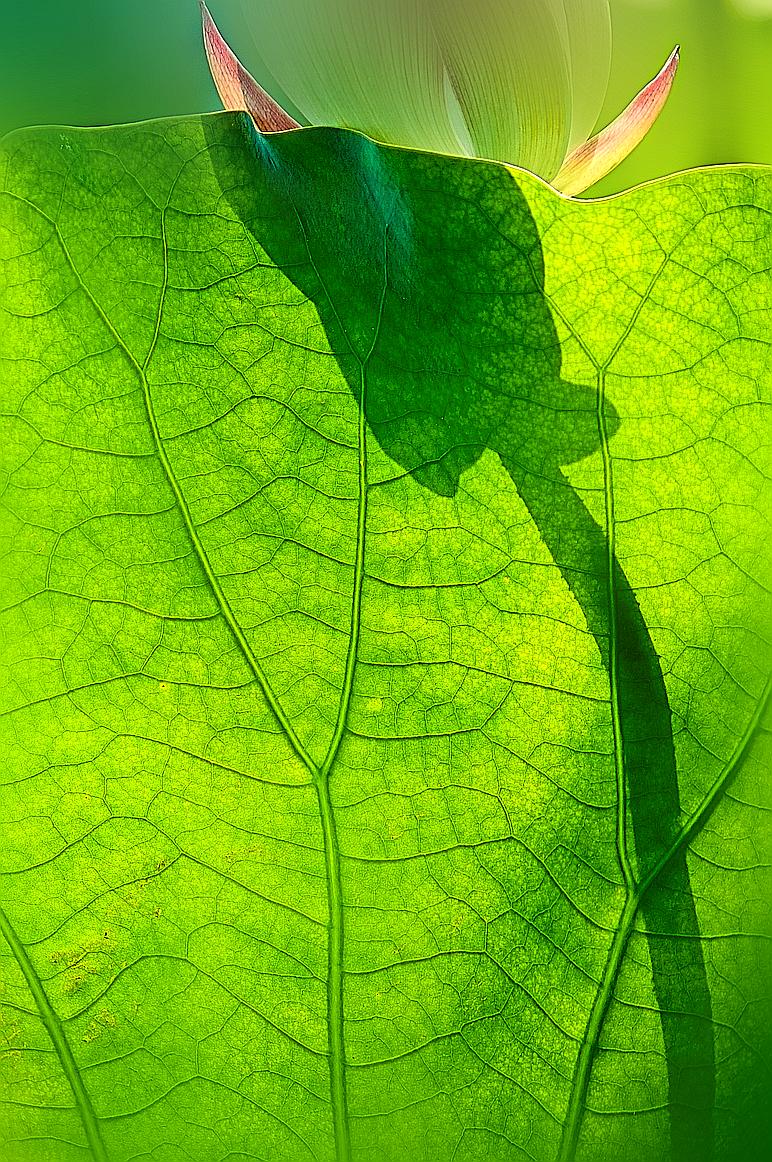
(516, 81)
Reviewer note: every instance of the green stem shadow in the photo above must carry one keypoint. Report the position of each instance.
(463, 356)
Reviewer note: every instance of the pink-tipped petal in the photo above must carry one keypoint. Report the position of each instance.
(238, 89)
(597, 157)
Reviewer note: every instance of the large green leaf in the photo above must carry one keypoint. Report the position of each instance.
(385, 542)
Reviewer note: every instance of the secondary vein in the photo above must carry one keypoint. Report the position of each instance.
(140, 370)
(61, 1044)
(335, 956)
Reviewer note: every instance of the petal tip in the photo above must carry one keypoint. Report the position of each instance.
(601, 154)
(238, 90)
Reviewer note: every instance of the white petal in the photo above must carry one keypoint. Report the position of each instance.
(508, 62)
(375, 67)
(589, 35)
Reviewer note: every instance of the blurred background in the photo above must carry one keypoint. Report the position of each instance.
(96, 62)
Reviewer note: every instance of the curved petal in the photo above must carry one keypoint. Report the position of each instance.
(593, 160)
(372, 67)
(238, 89)
(589, 36)
(508, 63)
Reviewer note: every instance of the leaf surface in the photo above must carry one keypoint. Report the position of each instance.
(385, 562)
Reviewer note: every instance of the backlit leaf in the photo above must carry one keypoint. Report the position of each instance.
(385, 562)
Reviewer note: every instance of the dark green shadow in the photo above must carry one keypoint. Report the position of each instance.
(431, 270)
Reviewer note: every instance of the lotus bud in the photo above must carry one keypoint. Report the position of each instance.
(516, 81)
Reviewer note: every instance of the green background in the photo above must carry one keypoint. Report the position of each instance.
(97, 62)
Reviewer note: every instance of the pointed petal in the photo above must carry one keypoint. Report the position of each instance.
(237, 88)
(375, 67)
(589, 36)
(509, 66)
(596, 158)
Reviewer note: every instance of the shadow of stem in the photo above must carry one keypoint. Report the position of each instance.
(429, 271)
